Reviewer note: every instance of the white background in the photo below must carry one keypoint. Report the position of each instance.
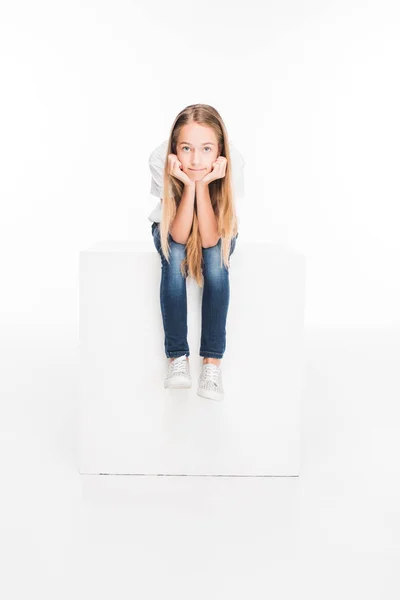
(309, 92)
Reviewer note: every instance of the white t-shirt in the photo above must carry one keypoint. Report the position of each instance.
(156, 163)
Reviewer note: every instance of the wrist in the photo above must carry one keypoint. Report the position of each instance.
(201, 184)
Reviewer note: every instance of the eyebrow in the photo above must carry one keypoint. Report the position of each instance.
(205, 144)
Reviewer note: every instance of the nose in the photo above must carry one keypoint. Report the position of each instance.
(195, 159)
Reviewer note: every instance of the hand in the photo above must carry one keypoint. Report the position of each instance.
(175, 169)
(218, 172)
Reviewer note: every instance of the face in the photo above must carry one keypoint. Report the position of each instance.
(197, 149)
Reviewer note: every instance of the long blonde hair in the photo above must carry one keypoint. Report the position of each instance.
(221, 194)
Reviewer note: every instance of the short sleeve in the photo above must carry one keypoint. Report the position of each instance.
(238, 164)
(156, 165)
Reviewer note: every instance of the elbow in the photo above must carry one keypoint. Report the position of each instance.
(177, 240)
(210, 244)
(181, 242)
(178, 235)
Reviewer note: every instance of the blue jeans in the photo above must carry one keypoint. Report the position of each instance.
(215, 301)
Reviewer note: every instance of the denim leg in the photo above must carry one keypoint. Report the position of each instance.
(215, 302)
(173, 299)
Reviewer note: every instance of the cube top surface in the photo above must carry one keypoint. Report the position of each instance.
(127, 246)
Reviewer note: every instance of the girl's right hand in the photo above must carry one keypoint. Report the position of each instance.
(175, 169)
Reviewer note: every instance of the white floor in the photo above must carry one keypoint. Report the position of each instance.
(333, 532)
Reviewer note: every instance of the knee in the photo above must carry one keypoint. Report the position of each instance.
(213, 268)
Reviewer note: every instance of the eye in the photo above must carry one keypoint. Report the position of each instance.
(206, 148)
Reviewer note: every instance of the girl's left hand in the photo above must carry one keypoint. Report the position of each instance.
(218, 172)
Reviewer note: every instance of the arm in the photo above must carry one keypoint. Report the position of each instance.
(182, 223)
(205, 213)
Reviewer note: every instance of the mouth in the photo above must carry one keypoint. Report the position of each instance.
(196, 169)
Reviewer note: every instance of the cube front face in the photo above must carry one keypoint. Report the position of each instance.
(130, 424)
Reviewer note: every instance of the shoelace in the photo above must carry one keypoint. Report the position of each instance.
(178, 366)
(210, 375)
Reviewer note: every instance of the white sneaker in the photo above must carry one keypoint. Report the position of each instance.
(210, 382)
(178, 373)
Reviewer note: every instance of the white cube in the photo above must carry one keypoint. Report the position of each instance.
(129, 423)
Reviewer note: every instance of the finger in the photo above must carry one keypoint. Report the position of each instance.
(171, 163)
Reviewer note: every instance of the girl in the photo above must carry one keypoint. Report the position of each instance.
(195, 228)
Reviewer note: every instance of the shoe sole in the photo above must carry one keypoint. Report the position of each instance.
(177, 383)
(210, 395)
